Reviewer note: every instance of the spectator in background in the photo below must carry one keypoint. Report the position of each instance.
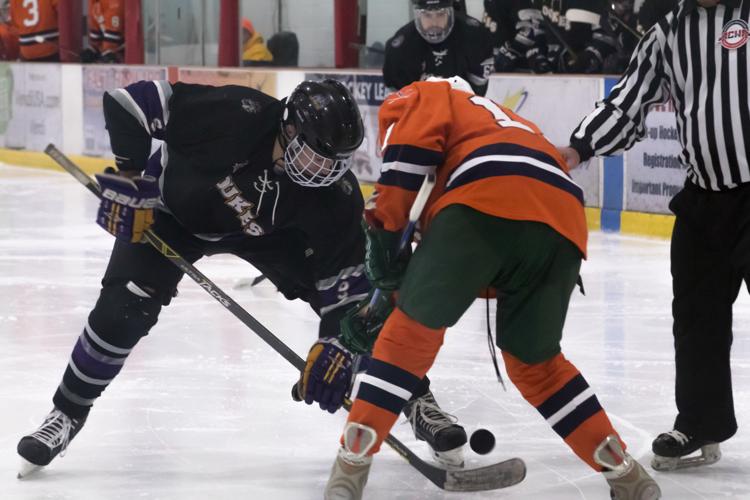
(254, 50)
(9, 50)
(106, 24)
(519, 42)
(653, 10)
(284, 48)
(620, 29)
(614, 40)
(569, 27)
(36, 23)
(440, 42)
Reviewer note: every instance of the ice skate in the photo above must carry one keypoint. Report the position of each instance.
(627, 479)
(671, 450)
(438, 428)
(49, 440)
(352, 465)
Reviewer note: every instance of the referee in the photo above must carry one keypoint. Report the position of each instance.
(698, 56)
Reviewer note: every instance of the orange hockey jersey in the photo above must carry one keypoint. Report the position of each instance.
(9, 50)
(36, 22)
(483, 155)
(106, 23)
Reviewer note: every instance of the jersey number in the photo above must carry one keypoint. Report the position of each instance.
(32, 8)
(500, 117)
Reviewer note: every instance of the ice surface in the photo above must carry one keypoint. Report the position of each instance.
(202, 408)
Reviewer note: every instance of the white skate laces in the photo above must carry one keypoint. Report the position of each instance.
(679, 436)
(55, 431)
(426, 417)
(434, 419)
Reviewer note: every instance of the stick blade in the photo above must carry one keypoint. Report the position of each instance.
(490, 477)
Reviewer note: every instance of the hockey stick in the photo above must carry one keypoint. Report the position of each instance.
(552, 29)
(491, 477)
(414, 213)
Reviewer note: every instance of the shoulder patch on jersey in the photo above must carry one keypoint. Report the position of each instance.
(472, 22)
(346, 186)
(397, 41)
(250, 105)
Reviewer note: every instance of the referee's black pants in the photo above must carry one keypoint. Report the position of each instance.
(710, 257)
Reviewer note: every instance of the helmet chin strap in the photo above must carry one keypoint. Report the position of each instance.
(278, 151)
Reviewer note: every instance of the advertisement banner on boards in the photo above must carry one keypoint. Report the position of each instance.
(31, 111)
(265, 81)
(369, 92)
(96, 81)
(653, 172)
(556, 105)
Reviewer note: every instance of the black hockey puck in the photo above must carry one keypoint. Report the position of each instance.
(482, 441)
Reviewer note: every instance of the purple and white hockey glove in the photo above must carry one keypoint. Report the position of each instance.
(127, 206)
(328, 373)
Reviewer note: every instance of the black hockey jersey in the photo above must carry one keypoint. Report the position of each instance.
(467, 52)
(501, 18)
(569, 26)
(217, 178)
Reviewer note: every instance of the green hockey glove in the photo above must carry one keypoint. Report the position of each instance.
(384, 265)
(362, 323)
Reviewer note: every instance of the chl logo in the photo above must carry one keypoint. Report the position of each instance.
(244, 209)
(734, 34)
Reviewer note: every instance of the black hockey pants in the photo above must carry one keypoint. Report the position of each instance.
(710, 257)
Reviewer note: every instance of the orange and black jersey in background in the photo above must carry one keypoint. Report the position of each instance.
(484, 156)
(36, 22)
(106, 22)
(9, 50)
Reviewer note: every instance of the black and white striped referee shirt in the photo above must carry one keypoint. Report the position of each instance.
(699, 57)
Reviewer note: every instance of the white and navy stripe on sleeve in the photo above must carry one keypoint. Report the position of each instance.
(148, 102)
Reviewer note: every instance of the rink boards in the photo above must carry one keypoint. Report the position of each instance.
(43, 103)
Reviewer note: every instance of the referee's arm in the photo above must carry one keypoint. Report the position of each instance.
(617, 122)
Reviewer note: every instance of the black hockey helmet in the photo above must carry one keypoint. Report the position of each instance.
(321, 128)
(434, 19)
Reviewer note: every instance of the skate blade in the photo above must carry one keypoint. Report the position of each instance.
(27, 468)
(710, 454)
(449, 459)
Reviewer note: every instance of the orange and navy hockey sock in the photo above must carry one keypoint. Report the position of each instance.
(401, 357)
(563, 397)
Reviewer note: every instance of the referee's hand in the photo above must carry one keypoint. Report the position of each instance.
(570, 155)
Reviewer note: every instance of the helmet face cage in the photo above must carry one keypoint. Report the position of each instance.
(321, 128)
(310, 169)
(434, 24)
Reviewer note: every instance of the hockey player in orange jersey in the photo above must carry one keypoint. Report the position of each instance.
(36, 22)
(106, 22)
(504, 214)
(8, 43)
(8, 34)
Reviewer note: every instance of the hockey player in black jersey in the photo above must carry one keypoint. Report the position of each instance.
(238, 172)
(569, 27)
(440, 42)
(518, 36)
